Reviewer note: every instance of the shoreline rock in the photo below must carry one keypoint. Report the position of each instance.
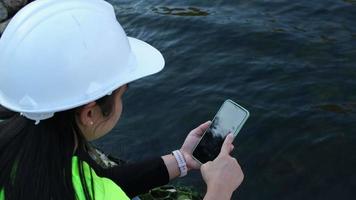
(8, 8)
(3, 12)
(3, 26)
(14, 5)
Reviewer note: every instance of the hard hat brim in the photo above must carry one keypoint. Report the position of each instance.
(148, 59)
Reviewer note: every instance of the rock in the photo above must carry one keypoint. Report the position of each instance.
(14, 5)
(3, 26)
(3, 12)
(170, 192)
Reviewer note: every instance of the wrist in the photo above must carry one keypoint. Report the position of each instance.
(215, 192)
(171, 165)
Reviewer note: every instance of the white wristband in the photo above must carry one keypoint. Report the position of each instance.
(181, 163)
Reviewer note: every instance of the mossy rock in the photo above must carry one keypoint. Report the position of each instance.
(170, 192)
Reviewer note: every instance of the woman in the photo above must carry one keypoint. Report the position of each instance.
(64, 67)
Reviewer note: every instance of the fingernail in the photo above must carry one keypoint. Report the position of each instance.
(231, 136)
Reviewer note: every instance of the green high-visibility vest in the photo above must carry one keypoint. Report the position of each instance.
(104, 188)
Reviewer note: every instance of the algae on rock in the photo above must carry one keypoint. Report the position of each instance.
(170, 192)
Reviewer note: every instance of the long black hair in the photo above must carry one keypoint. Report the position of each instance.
(36, 160)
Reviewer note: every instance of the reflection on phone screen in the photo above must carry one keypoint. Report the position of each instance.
(228, 120)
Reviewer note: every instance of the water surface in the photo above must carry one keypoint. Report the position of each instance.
(290, 63)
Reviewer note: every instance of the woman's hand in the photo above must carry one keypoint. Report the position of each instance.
(187, 150)
(190, 142)
(223, 175)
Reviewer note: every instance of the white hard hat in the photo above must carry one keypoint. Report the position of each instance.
(59, 54)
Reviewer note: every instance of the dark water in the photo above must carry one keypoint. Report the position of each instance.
(292, 64)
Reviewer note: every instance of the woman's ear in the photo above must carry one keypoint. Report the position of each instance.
(87, 114)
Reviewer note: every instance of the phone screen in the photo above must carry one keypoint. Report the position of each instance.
(229, 119)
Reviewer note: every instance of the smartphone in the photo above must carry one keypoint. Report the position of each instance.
(229, 119)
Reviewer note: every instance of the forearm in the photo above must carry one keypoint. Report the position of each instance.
(172, 166)
(134, 178)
